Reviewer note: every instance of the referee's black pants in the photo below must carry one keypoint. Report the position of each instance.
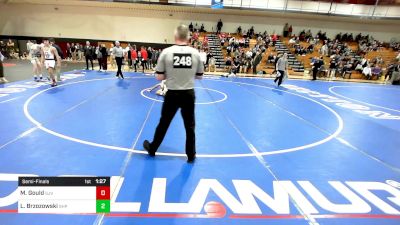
(173, 100)
(88, 58)
(118, 60)
(280, 78)
(1, 69)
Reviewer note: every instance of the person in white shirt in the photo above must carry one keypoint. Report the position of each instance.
(203, 57)
(2, 78)
(112, 57)
(367, 72)
(292, 41)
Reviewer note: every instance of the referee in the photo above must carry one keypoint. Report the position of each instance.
(179, 65)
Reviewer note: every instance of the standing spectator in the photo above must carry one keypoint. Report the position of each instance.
(286, 30)
(219, 26)
(104, 54)
(144, 55)
(88, 50)
(99, 56)
(10, 49)
(2, 78)
(129, 55)
(77, 51)
(191, 27)
(228, 64)
(211, 64)
(3, 48)
(332, 68)
(281, 68)
(239, 30)
(68, 52)
(118, 52)
(134, 56)
(203, 57)
(316, 67)
(274, 39)
(256, 61)
(73, 51)
(154, 58)
(112, 56)
(29, 45)
(290, 30)
(149, 57)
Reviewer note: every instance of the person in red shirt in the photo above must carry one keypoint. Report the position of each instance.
(274, 39)
(134, 57)
(143, 51)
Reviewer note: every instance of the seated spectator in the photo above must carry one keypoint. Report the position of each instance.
(367, 72)
(271, 58)
(310, 48)
(236, 65)
(376, 71)
(292, 42)
(211, 64)
(228, 64)
(332, 68)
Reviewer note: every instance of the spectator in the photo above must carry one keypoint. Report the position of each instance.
(211, 64)
(144, 55)
(292, 42)
(10, 49)
(286, 30)
(73, 51)
(376, 71)
(228, 64)
(3, 48)
(290, 30)
(104, 54)
(324, 50)
(149, 57)
(202, 28)
(256, 61)
(191, 27)
(316, 66)
(219, 26)
(88, 52)
(112, 56)
(2, 78)
(203, 57)
(134, 55)
(367, 72)
(68, 52)
(99, 56)
(239, 30)
(332, 68)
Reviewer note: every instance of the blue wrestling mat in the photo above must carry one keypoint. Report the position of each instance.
(304, 153)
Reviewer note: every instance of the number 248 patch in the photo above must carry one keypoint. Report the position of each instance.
(182, 61)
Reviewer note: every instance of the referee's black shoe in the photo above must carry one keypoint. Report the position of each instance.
(146, 145)
(191, 159)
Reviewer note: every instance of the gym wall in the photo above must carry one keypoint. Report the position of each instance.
(156, 26)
